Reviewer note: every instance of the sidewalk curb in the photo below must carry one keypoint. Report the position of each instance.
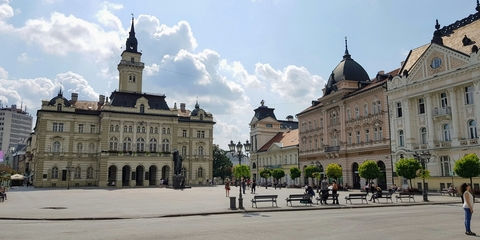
(296, 208)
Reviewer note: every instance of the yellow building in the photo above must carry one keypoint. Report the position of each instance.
(126, 139)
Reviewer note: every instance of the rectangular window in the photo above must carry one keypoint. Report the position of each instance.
(421, 106)
(200, 134)
(443, 100)
(269, 125)
(469, 95)
(80, 128)
(399, 110)
(92, 128)
(367, 135)
(57, 127)
(445, 165)
(184, 133)
(349, 138)
(358, 137)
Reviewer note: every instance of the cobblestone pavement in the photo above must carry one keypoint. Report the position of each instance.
(126, 203)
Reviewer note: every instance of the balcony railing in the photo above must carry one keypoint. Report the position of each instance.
(442, 111)
(332, 149)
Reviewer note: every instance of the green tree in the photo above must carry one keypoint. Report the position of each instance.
(295, 173)
(468, 166)
(308, 171)
(266, 173)
(222, 166)
(241, 170)
(407, 168)
(369, 170)
(334, 170)
(278, 174)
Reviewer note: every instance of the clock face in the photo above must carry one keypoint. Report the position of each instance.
(436, 63)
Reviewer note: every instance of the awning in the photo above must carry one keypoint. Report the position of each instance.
(16, 177)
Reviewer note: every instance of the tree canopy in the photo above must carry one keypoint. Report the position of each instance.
(369, 170)
(295, 173)
(222, 166)
(265, 173)
(241, 170)
(278, 173)
(407, 168)
(310, 170)
(334, 170)
(468, 166)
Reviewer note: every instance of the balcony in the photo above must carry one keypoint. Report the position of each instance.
(441, 111)
(469, 142)
(420, 146)
(442, 144)
(332, 149)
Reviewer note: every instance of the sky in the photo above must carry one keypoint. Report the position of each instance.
(227, 55)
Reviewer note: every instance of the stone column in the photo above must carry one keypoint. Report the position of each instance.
(430, 126)
(406, 123)
(455, 130)
(118, 177)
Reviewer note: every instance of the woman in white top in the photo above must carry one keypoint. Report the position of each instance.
(467, 206)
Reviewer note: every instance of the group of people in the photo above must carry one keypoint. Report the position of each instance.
(325, 187)
(252, 184)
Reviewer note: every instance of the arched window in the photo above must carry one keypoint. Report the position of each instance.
(151, 129)
(78, 173)
(168, 130)
(90, 172)
(254, 166)
(142, 108)
(184, 151)
(117, 128)
(138, 129)
(446, 133)
(349, 115)
(127, 144)
(130, 128)
(113, 144)
(125, 128)
(56, 146)
(184, 172)
(357, 113)
(59, 107)
(379, 106)
(79, 148)
(200, 172)
(112, 128)
(91, 148)
(165, 145)
(365, 109)
(54, 172)
(143, 130)
(472, 129)
(374, 107)
(153, 145)
(200, 151)
(140, 145)
(401, 139)
(156, 129)
(423, 135)
(164, 130)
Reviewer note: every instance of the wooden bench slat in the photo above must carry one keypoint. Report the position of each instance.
(264, 198)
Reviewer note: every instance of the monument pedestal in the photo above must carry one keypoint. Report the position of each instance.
(177, 180)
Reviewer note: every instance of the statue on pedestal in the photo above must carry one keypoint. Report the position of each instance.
(177, 163)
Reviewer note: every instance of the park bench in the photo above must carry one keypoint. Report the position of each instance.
(403, 195)
(330, 197)
(449, 192)
(264, 198)
(302, 198)
(386, 195)
(361, 196)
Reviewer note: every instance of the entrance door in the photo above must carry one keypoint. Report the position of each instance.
(355, 176)
(382, 180)
(126, 176)
(152, 171)
(140, 176)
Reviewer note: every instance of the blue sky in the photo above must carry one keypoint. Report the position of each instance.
(229, 54)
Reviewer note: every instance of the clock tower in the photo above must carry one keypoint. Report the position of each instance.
(130, 68)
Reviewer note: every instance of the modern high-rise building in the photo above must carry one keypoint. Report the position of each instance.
(15, 126)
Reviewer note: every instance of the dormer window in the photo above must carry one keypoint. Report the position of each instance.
(59, 107)
(142, 108)
(436, 63)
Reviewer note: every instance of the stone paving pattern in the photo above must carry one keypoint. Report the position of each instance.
(125, 203)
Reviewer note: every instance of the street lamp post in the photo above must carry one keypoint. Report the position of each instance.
(239, 153)
(69, 170)
(423, 158)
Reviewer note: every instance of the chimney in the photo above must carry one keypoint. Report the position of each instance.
(182, 107)
(74, 97)
(101, 99)
(381, 72)
(290, 118)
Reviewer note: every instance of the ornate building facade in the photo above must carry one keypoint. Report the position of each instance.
(348, 124)
(126, 139)
(435, 101)
(274, 143)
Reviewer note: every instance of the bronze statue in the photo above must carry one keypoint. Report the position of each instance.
(177, 163)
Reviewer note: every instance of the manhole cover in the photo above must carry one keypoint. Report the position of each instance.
(54, 208)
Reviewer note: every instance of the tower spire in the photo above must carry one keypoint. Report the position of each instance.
(131, 44)
(347, 55)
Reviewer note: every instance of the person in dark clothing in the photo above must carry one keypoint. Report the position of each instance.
(372, 187)
(324, 191)
(244, 185)
(376, 195)
(334, 192)
(254, 185)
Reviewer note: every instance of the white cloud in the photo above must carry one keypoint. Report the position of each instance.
(6, 11)
(3, 73)
(73, 82)
(25, 58)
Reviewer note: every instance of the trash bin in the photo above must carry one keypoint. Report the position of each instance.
(233, 203)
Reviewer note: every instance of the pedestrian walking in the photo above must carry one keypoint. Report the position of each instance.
(372, 187)
(324, 191)
(244, 185)
(227, 188)
(254, 186)
(182, 184)
(366, 187)
(334, 192)
(468, 206)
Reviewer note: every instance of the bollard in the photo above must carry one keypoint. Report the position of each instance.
(233, 203)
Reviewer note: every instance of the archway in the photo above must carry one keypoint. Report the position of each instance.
(152, 171)
(355, 176)
(165, 173)
(126, 175)
(112, 174)
(382, 180)
(139, 175)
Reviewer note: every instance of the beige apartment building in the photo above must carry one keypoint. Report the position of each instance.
(435, 101)
(126, 139)
(348, 124)
(274, 144)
